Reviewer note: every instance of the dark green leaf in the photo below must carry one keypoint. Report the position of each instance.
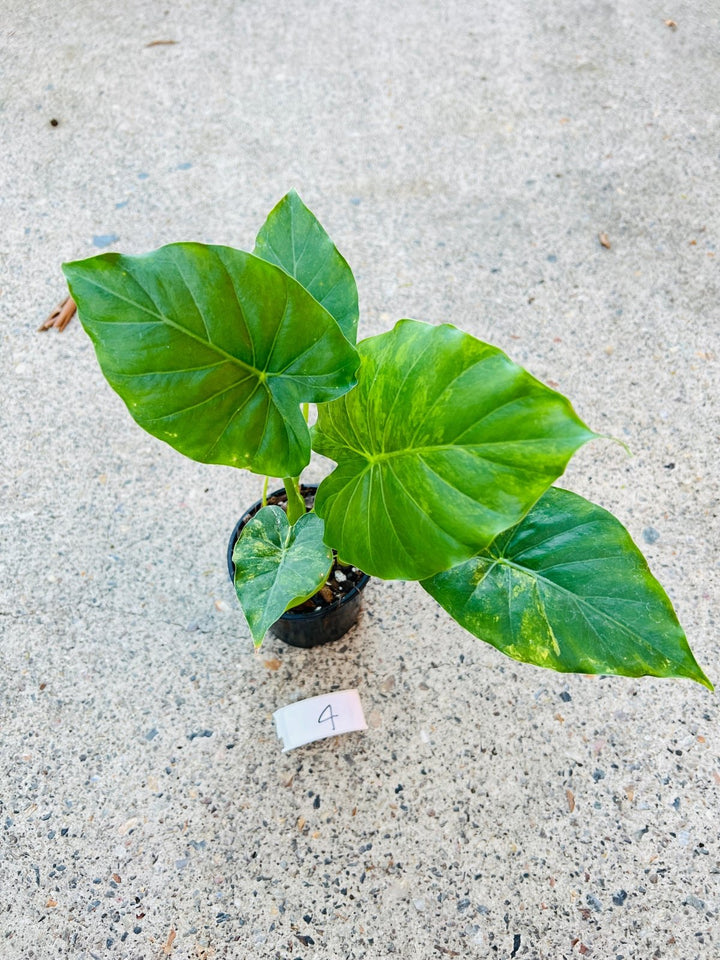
(278, 566)
(444, 443)
(294, 239)
(568, 589)
(213, 350)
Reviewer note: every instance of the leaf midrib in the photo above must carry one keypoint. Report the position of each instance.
(528, 572)
(441, 447)
(176, 326)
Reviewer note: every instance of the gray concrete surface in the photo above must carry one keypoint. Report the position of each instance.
(465, 156)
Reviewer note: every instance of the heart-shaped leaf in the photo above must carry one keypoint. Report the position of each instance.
(443, 443)
(293, 238)
(278, 566)
(213, 350)
(568, 589)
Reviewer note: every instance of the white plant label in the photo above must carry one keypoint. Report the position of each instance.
(319, 717)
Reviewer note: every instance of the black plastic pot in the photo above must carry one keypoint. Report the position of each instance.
(307, 628)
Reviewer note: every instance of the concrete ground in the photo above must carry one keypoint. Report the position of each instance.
(465, 157)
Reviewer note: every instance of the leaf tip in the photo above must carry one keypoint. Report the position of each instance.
(625, 446)
(69, 269)
(293, 199)
(691, 670)
(699, 677)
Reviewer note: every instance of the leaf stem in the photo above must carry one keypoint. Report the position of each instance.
(265, 490)
(295, 501)
(306, 411)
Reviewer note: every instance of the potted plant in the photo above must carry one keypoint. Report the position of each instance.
(446, 450)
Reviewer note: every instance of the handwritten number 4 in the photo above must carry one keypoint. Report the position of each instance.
(326, 715)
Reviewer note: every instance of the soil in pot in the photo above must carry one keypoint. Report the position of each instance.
(329, 613)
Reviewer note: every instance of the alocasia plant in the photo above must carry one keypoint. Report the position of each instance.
(446, 450)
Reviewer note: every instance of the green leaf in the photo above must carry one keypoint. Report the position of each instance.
(293, 238)
(568, 589)
(213, 351)
(443, 443)
(278, 566)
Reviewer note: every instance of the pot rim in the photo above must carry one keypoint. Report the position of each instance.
(290, 614)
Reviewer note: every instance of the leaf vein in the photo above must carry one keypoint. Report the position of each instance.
(194, 406)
